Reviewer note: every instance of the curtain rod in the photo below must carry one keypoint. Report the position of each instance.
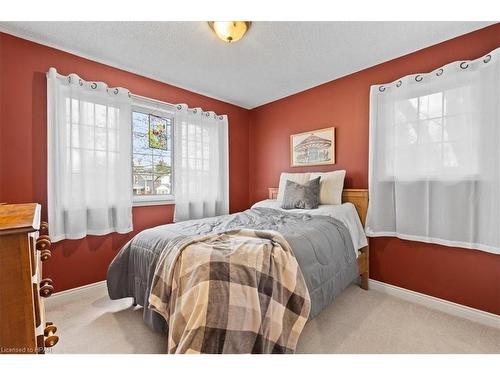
(174, 106)
(462, 64)
(53, 70)
(153, 100)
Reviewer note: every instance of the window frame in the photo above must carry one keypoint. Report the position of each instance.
(152, 107)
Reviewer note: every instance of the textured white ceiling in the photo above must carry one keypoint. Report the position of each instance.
(274, 60)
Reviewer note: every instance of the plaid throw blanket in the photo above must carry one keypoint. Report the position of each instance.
(239, 291)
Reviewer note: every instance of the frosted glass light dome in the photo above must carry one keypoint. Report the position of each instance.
(230, 31)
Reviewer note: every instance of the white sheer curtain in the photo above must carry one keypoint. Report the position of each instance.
(89, 158)
(435, 156)
(201, 173)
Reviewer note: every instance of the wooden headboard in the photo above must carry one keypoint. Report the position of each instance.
(358, 197)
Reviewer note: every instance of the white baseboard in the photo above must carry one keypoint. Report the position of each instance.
(68, 292)
(442, 305)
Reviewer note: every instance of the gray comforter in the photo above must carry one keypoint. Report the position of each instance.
(321, 244)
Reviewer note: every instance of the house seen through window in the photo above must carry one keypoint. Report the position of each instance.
(152, 156)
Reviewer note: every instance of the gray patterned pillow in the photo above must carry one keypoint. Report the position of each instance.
(301, 196)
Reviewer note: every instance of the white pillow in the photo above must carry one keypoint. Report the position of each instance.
(300, 178)
(330, 186)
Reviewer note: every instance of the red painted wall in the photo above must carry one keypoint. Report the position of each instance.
(259, 152)
(23, 148)
(467, 277)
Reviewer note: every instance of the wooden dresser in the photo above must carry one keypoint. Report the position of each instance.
(24, 246)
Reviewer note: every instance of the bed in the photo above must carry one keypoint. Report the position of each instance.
(358, 198)
(330, 260)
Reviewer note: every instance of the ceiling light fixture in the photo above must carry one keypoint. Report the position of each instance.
(229, 31)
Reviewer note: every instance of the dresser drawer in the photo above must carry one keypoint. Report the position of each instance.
(38, 300)
(37, 306)
(39, 247)
(32, 246)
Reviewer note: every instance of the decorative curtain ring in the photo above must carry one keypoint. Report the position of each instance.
(195, 110)
(418, 77)
(116, 91)
(381, 89)
(464, 66)
(69, 79)
(439, 72)
(399, 83)
(207, 114)
(129, 94)
(80, 82)
(179, 107)
(93, 85)
(220, 117)
(487, 59)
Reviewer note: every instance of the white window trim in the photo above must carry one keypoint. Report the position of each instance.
(162, 109)
(152, 200)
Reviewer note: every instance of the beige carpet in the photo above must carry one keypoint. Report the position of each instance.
(357, 322)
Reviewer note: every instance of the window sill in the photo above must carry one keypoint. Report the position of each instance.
(153, 203)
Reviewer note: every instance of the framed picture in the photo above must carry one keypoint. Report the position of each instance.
(157, 132)
(315, 147)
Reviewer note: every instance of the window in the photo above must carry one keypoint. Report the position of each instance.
(434, 156)
(432, 137)
(152, 154)
(89, 151)
(201, 147)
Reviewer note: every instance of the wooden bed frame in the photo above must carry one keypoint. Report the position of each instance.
(359, 198)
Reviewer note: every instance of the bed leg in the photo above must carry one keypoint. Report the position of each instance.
(364, 266)
(364, 280)
(134, 302)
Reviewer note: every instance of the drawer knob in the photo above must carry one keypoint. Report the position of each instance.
(46, 291)
(46, 288)
(43, 243)
(51, 341)
(49, 333)
(50, 329)
(45, 255)
(44, 225)
(46, 281)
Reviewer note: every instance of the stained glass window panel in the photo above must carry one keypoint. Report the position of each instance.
(152, 156)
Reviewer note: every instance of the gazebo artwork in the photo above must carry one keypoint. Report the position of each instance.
(316, 147)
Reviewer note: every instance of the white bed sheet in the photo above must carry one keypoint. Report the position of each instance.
(345, 212)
